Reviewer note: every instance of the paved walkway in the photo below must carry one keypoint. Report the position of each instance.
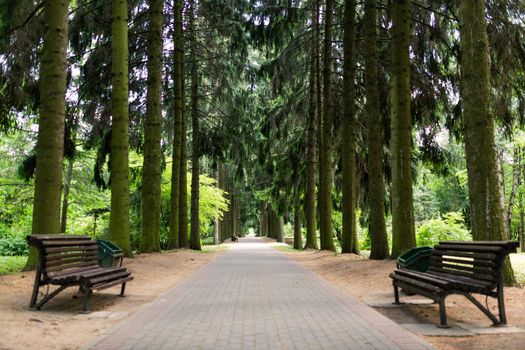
(253, 297)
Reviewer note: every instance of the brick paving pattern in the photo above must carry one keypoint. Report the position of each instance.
(253, 297)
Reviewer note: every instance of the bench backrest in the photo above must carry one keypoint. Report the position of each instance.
(480, 260)
(58, 253)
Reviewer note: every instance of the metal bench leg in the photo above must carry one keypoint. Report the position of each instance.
(34, 296)
(122, 289)
(396, 294)
(85, 305)
(442, 314)
(501, 304)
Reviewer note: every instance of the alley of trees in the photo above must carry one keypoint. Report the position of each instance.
(350, 126)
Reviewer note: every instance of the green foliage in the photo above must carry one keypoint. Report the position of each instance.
(12, 244)
(11, 264)
(448, 227)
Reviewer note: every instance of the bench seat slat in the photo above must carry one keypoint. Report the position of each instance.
(416, 282)
(113, 283)
(476, 276)
(102, 271)
(471, 248)
(107, 278)
(465, 282)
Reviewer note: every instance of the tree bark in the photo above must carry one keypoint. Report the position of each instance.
(65, 195)
(376, 184)
(349, 237)
(150, 240)
(178, 55)
(327, 240)
(195, 239)
(403, 231)
(516, 169)
(311, 225)
(50, 142)
(484, 190)
(183, 178)
(297, 235)
(119, 218)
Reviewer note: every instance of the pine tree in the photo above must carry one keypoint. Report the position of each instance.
(376, 184)
(119, 219)
(403, 231)
(195, 241)
(178, 56)
(311, 225)
(327, 240)
(150, 240)
(50, 143)
(486, 213)
(349, 242)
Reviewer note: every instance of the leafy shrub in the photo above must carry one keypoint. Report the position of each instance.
(449, 227)
(13, 245)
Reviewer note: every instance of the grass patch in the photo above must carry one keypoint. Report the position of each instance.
(284, 248)
(12, 264)
(212, 249)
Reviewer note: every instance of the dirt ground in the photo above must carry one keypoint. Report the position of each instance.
(362, 278)
(60, 326)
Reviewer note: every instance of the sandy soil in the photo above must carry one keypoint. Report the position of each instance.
(60, 326)
(363, 278)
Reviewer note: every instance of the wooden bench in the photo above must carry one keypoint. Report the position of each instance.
(460, 268)
(71, 260)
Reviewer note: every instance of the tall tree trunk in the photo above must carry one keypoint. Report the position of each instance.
(65, 195)
(484, 190)
(327, 239)
(522, 223)
(217, 229)
(403, 231)
(376, 184)
(150, 240)
(119, 218)
(183, 178)
(178, 55)
(349, 236)
(319, 108)
(311, 225)
(264, 220)
(297, 235)
(50, 143)
(195, 239)
(516, 169)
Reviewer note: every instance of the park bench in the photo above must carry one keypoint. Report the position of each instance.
(71, 260)
(460, 268)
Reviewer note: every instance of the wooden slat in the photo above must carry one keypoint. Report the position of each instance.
(462, 281)
(53, 250)
(107, 278)
(477, 262)
(71, 273)
(102, 271)
(424, 277)
(418, 283)
(508, 245)
(473, 269)
(113, 283)
(471, 248)
(71, 265)
(484, 277)
(50, 260)
(66, 243)
(485, 256)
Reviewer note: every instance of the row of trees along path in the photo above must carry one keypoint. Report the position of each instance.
(288, 104)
